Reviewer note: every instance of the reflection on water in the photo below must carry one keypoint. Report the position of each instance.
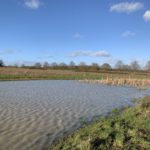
(34, 113)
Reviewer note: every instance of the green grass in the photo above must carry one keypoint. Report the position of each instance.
(50, 77)
(125, 130)
(13, 73)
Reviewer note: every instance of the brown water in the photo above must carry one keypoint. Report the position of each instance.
(34, 113)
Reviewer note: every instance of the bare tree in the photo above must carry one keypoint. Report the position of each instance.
(135, 65)
(54, 64)
(82, 66)
(23, 65)
(95, 66)
(147, 66)
(1, 63)
(119, 65)
(37, 65)
(106, 66)
(16, 65)
(72, 64)
(62, 64)
(45, 65)
(126, 67)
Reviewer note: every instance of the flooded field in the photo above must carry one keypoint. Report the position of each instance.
(34, 113)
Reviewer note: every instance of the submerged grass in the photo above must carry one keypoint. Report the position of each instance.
(127, 130)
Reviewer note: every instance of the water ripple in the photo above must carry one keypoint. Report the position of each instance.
(34, 113)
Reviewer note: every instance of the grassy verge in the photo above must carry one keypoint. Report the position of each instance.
(8, 73)
(50, 77)
(126, 130)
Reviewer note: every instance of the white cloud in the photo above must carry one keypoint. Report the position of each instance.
(33, 4)
(100, 54)
(7, 52)
(77, 35)
(126, 7)
(90, 53)
(128, 34)
(146, 15)
(80, 53)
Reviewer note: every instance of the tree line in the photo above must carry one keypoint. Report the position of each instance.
(82, 66)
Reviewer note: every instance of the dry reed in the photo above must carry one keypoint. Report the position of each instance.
(138, 83)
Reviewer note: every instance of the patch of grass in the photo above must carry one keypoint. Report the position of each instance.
(12, 73)
(49, 77)
(39, 74)
(127, 130)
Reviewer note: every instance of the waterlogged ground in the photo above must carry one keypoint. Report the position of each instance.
(34, 113)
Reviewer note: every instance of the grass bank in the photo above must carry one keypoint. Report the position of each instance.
(12, 73)
(126, 130)
(41, 74)
(49, 77)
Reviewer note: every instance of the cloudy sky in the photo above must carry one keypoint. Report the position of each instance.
(79, 30)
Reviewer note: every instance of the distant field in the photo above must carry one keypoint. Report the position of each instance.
(34, 74)
(8, 73)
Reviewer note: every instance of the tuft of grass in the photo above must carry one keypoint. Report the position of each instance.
(127, 130)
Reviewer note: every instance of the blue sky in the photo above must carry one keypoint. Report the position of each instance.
(79, 30)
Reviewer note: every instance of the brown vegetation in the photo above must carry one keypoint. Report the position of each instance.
(138, 83)
(21, 73)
